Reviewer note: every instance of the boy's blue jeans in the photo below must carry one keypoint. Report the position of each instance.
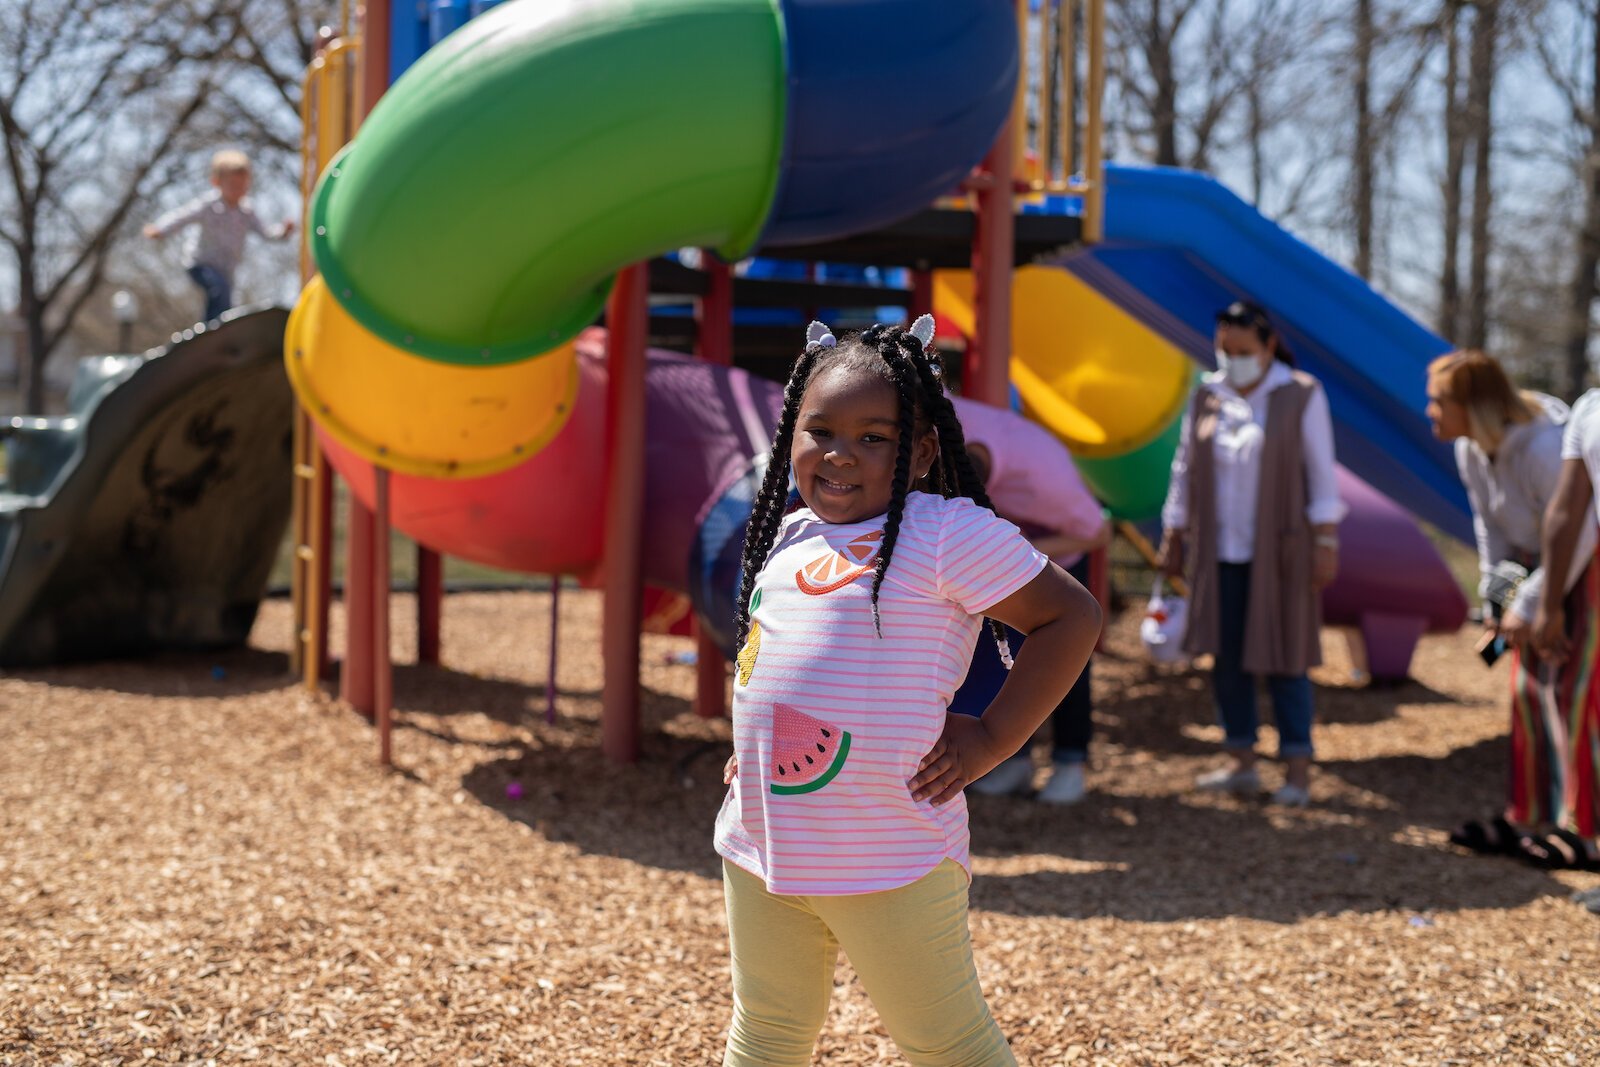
(1236, 691)
(218, 289)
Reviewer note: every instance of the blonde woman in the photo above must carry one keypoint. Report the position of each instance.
(1508, 451)
(1252, 518)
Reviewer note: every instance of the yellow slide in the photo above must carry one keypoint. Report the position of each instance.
(1107, 385)
(415, 415)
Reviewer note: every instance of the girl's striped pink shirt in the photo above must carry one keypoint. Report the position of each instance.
(830, 720)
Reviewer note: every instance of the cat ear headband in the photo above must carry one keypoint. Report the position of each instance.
(819, 336)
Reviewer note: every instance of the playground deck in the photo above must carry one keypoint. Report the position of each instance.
(203, 865)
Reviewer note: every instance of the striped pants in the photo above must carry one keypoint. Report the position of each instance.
(1555, 725)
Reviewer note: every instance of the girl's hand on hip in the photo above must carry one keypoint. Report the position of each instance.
(962, 755)
(730, 770)
(1324, 566)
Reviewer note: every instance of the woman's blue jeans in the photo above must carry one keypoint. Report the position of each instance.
(1236, 690)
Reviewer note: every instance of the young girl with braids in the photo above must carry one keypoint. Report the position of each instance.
(844, 825)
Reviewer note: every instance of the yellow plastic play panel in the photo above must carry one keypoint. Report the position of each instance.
(419, 416)
(1098, 378)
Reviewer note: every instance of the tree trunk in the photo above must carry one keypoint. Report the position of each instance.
(1365, 164)
(1480, 93)
(1455, 151)
(31, 361)
(1257, 134)
(1581, 291)
(1164, 115)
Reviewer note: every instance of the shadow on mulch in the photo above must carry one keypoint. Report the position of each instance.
(1153, 712)
(658, 812)
(1176, 857)
(436, 690)
(1159, 859)
(1146, 857)
(219, 673)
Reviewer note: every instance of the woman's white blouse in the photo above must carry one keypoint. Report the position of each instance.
(1238, 442)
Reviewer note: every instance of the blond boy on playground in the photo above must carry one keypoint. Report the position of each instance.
(221, 220)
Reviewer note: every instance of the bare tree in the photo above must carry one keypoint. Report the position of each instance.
(1197, 79)
(1448, 320)
(1389, 51)
(1144, 39)
(1480, 124)
(94, 99)
(1576, 76)
(1365, 163)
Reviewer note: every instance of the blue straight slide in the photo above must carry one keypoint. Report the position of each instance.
(1179, 245)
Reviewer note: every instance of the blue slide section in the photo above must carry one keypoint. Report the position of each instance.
(1179, 246)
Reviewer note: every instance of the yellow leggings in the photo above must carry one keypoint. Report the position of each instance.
(911, 947)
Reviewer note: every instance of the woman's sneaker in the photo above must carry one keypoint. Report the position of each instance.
(1015, 775)
(1291, 796)
(1065, 785)
(1229, 780)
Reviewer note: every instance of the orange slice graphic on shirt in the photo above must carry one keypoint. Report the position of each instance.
(835, 570)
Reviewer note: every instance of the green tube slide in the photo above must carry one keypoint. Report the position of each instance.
(516, 256)
(1134, 484)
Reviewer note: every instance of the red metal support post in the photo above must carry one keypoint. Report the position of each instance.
(322, 559)
(374, 52)
(986, 372)
(551, 686)
(627, 317)
(714, 344)
(430, 603)
(921, 293)
(356, 674)
(382, 659)
(355, 677)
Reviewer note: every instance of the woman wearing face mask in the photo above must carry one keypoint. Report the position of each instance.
(1251, 520)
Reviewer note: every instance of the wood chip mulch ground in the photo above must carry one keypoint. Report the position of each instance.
(200, 863)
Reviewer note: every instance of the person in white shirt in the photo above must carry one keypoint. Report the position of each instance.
(1508, 449)
(1251, 519)
(218, 225)
(1566, 634)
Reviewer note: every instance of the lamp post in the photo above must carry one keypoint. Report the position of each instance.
(125, 307)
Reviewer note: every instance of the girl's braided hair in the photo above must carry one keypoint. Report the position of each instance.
(897, 356)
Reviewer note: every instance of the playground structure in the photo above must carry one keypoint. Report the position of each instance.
(441, 370)
(755, 168)
(774, 146)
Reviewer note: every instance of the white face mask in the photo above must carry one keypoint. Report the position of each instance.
(1242, 371)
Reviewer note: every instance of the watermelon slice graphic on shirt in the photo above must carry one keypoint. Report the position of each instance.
(835, 570)
(807, 753)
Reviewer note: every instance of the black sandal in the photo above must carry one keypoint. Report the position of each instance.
(1489, 837)
(1559, 850)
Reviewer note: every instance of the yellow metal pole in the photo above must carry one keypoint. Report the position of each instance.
(1093, 134)
(1067, 60)
(309, 92)
(1019, 105)
(325, 125)
(1047, 93)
